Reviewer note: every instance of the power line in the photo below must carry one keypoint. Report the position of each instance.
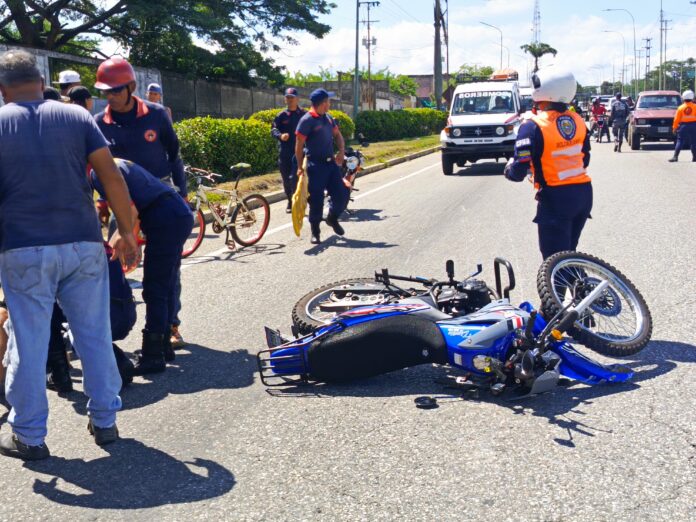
(405, 12)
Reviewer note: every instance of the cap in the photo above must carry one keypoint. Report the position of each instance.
(50, 93)
(320, 95)
(291, 91)
(154, 87)
(617, 94)
(79, 93)
(68, 77)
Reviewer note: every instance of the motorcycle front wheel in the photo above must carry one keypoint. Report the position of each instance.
(320, 306)
(618, 323)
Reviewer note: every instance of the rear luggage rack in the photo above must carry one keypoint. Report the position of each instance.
(282, 370)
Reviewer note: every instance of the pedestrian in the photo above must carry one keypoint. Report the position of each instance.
(283, 129)
(154, 95)
(684, 126)
(554, 147)
(317, 133)
(81, 96)
(51, 93)
(44, 150)
(141, 132)
(66, 80)
(619, 118)
(166, 220)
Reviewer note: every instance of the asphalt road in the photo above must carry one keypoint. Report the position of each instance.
(207, 441)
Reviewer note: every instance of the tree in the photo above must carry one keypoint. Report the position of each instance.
(472, 72)
(537, 50)
(403, 85)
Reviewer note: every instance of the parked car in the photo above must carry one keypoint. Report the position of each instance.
(526, 102)
(483, 123)
(652, 118)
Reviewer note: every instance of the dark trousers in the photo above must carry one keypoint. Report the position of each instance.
(325, 176)
(288, 171)
(167, 224)
(686, 137)
(561, 215)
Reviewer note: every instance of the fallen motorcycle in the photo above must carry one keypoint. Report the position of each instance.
(365, 327)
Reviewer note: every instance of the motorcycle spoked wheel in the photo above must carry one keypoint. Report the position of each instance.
(618, 323)
(306, 314)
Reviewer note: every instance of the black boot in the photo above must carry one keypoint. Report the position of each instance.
(125, 365)
(58, 367)
(288, 209)
(169, 354)
(151, 360)
(316, 239)
(673, 159)
(332, 221)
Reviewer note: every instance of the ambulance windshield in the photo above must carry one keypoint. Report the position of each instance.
(483, 102)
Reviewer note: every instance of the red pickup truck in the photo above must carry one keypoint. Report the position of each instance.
(652, 118)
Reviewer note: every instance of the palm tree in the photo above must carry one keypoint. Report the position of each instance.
(537, 50)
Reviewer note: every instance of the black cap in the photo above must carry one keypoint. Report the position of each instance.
(51, 93)
(79, 93)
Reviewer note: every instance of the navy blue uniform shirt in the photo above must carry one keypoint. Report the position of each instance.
(529, 148)
(318, 131)
(146, 137)
(286, 123)
(144, 188)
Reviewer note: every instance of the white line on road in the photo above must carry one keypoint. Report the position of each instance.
(275, 230)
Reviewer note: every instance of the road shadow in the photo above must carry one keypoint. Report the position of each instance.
(132, 476)
(363, 214)
(657, 359)
(346, 242)
(481, 169)
(195, 369)
(652, 147)
(239, 255)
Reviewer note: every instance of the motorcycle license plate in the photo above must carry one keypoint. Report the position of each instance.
(663, 130)
(274, 338)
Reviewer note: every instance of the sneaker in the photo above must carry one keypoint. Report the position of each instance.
(673, 159)
(288, 209)
(176, 340)
(11, 446)
(103, 436)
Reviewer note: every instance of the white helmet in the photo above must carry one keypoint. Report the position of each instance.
(688, 95)
(554, 85)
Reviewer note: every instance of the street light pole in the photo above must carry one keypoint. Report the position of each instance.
(623, 62)
(501, 41)
(635, 59)
(356, 73)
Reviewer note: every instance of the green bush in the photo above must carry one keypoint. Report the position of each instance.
(394, 125)
(345, 123)
(217, 144)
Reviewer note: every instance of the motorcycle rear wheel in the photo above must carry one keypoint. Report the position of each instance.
(306, 314)
(617, 324)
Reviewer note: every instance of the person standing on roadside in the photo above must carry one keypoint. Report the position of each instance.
(619, 119)
(81, 96)
(684, 126)
(283, 129)
(554, 147)
(67, 80)
(317, 132)
(141, 132)
(154, 95)
(44, 150)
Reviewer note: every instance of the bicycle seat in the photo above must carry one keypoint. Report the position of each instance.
(240, 168)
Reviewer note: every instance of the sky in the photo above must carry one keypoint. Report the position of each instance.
(405, 35)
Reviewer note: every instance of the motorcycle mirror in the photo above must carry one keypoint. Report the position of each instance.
(449, 267)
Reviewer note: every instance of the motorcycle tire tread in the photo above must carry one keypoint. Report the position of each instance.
(550, 307)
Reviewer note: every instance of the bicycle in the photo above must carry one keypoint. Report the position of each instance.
(245, 219)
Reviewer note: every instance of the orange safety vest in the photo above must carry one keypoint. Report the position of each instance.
(686, 113)
(562, 160)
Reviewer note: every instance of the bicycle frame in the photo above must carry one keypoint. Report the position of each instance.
(233, 202)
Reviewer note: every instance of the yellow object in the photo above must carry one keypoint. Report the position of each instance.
(299, 200)
(557, 335)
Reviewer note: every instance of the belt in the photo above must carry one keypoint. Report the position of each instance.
(328, 159)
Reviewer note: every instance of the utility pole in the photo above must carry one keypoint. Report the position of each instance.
(536, 24)
(369, 43)
(667, 28)
(662, 28)
(446, 31)
(437, 73)
(640, 57)
(647, 62)
(356, 73)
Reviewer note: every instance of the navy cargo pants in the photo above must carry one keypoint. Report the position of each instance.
(325, 176)
(167, 223)
(686, 137)
(288, 171)
(561, 215)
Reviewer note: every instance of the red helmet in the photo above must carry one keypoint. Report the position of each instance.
(114, 72)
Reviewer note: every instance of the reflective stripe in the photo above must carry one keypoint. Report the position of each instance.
(571, 151)
(565, 174)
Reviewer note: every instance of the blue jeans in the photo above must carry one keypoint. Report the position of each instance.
(76, 275)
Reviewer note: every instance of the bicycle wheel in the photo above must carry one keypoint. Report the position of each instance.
(250, 220)
(196, 236)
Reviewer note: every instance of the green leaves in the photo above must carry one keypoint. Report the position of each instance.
(394, 125)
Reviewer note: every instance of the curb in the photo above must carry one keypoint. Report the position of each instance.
(276, 197)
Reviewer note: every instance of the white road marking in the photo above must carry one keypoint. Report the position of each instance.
(275, 230)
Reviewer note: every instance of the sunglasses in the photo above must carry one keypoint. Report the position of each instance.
(115, 90)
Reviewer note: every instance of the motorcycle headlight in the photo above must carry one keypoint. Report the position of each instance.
(500, 131)
(352, 162)
(457, 132)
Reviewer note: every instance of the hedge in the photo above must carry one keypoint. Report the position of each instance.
(217, 144)
(345, 123)
(394, 125)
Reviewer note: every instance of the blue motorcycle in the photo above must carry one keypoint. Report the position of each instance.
(360, 328)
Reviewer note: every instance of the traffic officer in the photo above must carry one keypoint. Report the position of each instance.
(166, 220)
(619, 119)
(141, 132)
(283, 130)
(316, 134)
(554, 147)
(684, 126)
